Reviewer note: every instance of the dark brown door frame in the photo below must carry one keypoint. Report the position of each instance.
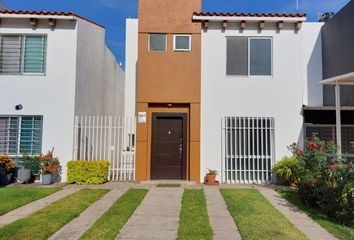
(184, 118)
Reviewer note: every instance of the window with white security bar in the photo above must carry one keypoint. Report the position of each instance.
(329, 133)
(23, 54)
(249, 56)
(20, 135)
(248, 149)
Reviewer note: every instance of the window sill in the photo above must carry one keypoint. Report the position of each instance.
(182, 51)
(22, 74)
(250, 77)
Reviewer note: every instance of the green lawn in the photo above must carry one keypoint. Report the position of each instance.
(110, 224)
(339, 231)
(194, 220)
(15, 197)
(45, 222)
(256, 218)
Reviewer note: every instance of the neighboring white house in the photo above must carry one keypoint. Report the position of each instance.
(131, 62)
(254, 84)
(53, 66)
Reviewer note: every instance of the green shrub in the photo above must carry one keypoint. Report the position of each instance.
(287, 169)
(88, 172)
(32, 163)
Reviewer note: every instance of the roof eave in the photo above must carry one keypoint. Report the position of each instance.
(248, 19)
(21, 16)
(344, 79)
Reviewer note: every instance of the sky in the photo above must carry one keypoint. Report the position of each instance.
(112, 13)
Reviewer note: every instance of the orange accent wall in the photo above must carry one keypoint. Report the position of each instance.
(168, 77)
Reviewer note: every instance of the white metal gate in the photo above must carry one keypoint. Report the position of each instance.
(248, 149)
(109, 138)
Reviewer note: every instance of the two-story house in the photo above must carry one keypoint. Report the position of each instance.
(337, 111)
(53, 66)
(228, 91)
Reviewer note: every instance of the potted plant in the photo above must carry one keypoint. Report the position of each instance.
(49, 166)
(31, 166)
(211, 177)
(6, 165)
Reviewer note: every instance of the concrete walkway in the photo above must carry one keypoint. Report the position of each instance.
(30, 208)
(310, 228)
(156, 218)
(80, 225)
(223, 225)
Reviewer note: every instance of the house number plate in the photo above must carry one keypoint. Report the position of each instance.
(142, 117)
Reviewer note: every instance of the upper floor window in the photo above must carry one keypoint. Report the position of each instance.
(249, 56)
(157, 42)
(22, 54)
(182, 43)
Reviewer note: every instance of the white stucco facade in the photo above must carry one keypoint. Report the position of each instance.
(296, 72)
(131, 62)
(79, 71)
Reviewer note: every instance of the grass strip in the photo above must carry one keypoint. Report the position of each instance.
(194, 220)
(45, 222)
(110, 224)
(15, 197)
(167, 185)
(256, 218)
(331, 225)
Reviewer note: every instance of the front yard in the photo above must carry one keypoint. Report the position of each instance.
(331, 225)
(194, 221)
(110, 224)
(15, 197)
(45, 222)
(256, 218)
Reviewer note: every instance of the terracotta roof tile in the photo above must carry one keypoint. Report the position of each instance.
(47, 13)
(228, 14)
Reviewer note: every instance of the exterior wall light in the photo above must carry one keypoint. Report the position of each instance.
(19, 107)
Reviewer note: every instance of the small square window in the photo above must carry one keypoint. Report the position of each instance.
(157, 42)
(182, 43)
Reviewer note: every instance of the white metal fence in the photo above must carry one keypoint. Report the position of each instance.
(248, 149)
(109, 138)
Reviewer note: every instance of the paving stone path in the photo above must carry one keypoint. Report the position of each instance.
(157, 217)
(30, 208)
(79, 225)
(223, 225)
(310, 228)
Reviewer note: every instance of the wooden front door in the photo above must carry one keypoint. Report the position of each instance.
(169, 146)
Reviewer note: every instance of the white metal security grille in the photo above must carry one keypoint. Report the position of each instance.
(20, 135)
(248, 149)
(107, 138)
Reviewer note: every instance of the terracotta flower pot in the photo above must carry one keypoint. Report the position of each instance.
(211, 178)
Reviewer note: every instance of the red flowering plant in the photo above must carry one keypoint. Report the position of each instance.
(49, 164)
(324, 179)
